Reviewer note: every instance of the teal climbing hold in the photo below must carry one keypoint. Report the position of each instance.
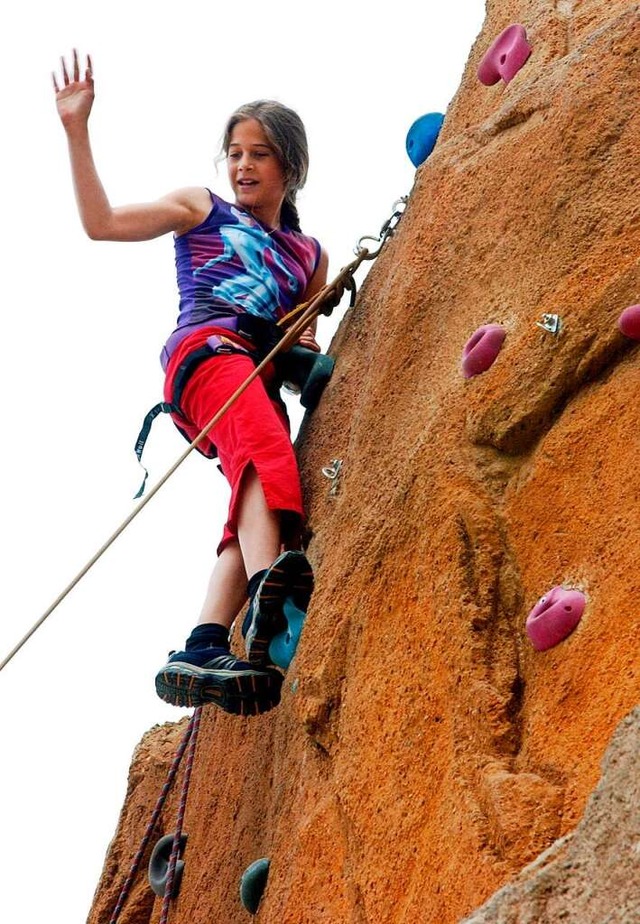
(282, 647)
(306, 373)
(253, 884)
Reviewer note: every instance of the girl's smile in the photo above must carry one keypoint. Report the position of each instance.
(255, 172)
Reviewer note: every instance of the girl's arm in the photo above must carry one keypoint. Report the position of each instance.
(307, 338)
(178, 212)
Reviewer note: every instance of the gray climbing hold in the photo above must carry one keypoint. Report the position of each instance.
(159, 865)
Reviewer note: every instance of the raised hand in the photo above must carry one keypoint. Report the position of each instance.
(74, 97)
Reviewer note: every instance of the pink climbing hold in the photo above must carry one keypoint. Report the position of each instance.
(629, 322)
(505, 57)
(554, 617)
(481, 349)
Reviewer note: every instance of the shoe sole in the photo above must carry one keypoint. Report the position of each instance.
(289, 576)
(237, 692)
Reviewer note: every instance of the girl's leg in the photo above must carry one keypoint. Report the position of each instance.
(227, 588)
(258, 547)
(206, 671)
(258, 526)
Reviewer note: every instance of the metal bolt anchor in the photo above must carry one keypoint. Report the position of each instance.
(551, 323)
(332, 472)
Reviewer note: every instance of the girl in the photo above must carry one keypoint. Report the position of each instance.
(241, 266)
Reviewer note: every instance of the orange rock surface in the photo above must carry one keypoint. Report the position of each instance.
(423, 753)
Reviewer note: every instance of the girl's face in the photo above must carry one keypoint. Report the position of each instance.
(255, 172)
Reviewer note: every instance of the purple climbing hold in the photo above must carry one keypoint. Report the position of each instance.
(505, 57)
(481, 349)
(629, 322)
(554, 617)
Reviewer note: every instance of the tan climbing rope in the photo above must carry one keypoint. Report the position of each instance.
(295, 323)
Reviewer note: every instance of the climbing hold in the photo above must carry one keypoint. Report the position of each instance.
(505, 57)
(481, 349)
(306, 373)
(554, 617)
(253, 884)
(159, 865)
(629, 322)
(282, 647)
(422, 137)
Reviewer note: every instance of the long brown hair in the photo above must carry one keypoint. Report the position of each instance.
(285, 131)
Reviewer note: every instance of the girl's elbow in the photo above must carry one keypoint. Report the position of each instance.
(99, 232)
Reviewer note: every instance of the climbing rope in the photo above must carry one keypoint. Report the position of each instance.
(190, 735)
(177, 837)
(294, 324)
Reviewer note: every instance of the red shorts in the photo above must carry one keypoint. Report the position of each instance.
(253, 431)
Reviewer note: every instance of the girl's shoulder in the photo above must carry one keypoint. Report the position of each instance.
(196, 201)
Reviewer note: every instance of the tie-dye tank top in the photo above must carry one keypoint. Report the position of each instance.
(231, 263)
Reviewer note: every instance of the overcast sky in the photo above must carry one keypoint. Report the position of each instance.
(84, 323)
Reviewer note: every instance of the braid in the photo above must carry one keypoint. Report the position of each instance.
(289, 217)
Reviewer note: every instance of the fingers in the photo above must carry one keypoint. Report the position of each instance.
(308, 340)
(67, 79)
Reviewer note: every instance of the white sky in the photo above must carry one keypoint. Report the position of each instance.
(84, 323)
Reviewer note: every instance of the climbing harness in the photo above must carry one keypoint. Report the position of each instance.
(293, 325)
(260, 336)
(189, 740)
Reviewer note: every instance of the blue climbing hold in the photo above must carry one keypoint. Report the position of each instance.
(422, 137)
(253, 884)
(283, 646)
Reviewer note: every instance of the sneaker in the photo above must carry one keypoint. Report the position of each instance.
(289, 576)
(234, 685)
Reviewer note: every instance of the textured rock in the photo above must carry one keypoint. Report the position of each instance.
(592, 875)
(423, 753)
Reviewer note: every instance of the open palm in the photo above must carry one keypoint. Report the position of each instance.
(74, 97)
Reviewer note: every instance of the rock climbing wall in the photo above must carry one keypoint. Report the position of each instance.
(425, 751)
(590, 874)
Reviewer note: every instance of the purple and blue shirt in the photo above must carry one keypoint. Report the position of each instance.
(232, 263)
